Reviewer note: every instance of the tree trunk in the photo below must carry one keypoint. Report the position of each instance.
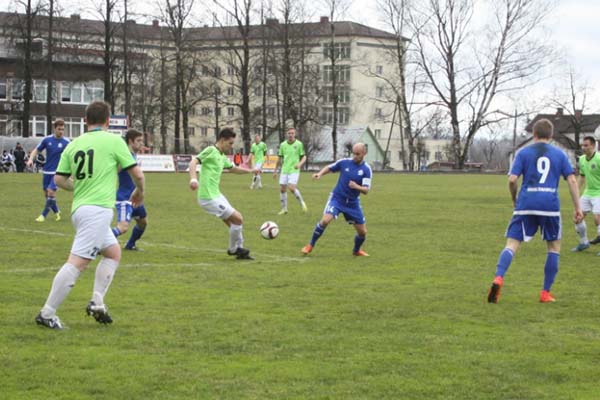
(50, 67)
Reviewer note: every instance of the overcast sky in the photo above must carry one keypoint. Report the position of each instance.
(574, 25)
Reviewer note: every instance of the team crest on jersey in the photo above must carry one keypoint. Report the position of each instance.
(360, 172)
(59, 145)
(593, 166)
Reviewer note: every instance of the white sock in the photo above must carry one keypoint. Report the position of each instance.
(283, 198)
(598, 230)
(235, 237)
(64, 280)
(298, 196)
(581, 230)
(258, 180)
(105, 272)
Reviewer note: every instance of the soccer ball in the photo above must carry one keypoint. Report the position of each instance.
(269, 230)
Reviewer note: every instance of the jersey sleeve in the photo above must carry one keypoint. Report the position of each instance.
(206, 153)
(227, 164)
(335, 166)
(517, 167)
(42, 144)
(280, 153)
(301, 150)
(366, 180)
(124, 158)
(581, 166)
(64, 164)
(253, 149)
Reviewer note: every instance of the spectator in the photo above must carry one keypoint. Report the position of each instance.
(237, 158)
(19, 155)
(6, 161)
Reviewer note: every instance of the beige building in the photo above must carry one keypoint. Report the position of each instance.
(213, 87)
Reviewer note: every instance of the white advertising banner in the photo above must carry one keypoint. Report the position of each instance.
(156, 163)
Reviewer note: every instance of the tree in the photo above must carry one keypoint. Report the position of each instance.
(106, 10)
(50, 65)
(466, 70)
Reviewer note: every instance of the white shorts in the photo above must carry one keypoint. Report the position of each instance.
(590, 204)
(289, 179)
(219, 207)
(92, 231)
(258, 166)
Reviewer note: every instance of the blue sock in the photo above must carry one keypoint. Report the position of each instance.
(358, 241)
(116, 231)
(319, 229)
(504, 261)
(53, 204)
(135, 235)
(46, 209)
(550, 269)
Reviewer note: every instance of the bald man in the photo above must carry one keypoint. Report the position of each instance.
(354, 180)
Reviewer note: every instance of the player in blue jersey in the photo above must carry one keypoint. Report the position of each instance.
(537, 206)
(354, 180)
(54, 145)
(125, 211)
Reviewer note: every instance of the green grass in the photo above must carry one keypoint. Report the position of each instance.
(409, 322)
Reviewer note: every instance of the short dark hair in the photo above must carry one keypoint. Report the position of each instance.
(132, 134)
(226, 133)
(590, 139)
(543, 129)
(97, 112)
(58, 122)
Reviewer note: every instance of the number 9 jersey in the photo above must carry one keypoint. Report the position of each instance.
(541, 165)
(93, 160)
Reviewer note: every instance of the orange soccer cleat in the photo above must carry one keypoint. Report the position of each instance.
(360, 253)
(306, 249)
(494, 292)
(546, 297)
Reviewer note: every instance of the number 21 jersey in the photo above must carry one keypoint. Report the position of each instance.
(541, 165)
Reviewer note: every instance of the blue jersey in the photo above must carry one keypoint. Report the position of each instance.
(126, 184)
(54, 148)
(350, 171)
(541, 165)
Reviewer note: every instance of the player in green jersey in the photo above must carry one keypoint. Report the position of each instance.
(89, 167)
(291, 160)
(213, 161)
(257, 158)
(589, 176)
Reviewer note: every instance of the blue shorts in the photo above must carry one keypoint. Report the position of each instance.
(353, 213)
(524, 227)
(48, 182)
(125, 211)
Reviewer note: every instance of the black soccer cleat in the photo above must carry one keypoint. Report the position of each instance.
(52, 323)
(100, 313)
(241, 254)
(595, 241)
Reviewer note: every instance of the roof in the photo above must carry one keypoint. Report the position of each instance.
(143, 31)
(564, 123)
(345, 136)
(564, 141)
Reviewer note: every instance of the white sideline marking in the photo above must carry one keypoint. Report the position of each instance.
(274, 258)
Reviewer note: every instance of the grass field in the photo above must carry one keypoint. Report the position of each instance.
(409, 322)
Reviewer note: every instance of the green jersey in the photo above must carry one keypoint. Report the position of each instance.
(212, 164)
(291, 153)
(93, 160)
(259, 150)
(590, 169)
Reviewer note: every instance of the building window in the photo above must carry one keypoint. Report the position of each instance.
(342, 73)
(340, 50)
(388, 155)
(192, 112)
(230, 91)
(206, 111)
(438, 156)
(71, 92)
(16, 89)
(343, 115)
(379, 92)
(3, 125)
(204, 131)
(93, 91)
(74, 127)
(205, 71)
(379, 69)
(37, 126)
(39, 91)
(377, 133)
(378, 113)
(258, 91)
(400, 155)
(217, 71)
(271, 111)
(230, 70)
(3, 91)
(230, 111)
(191, 131)
(270, 91)
(343, 94)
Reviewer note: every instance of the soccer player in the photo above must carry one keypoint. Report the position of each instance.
(291, 159)
(354, 180)
(213, 160)
(589, 175)
(89, 167)
(537, 205)
(257, 158)
(54, 145)
(125, 211)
